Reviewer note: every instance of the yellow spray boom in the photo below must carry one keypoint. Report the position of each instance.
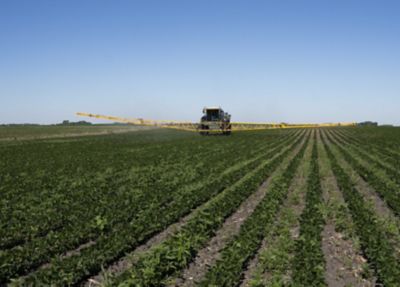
(190, 126)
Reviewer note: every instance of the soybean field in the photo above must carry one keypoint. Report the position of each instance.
(282, 207)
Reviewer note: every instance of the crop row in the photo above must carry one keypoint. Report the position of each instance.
(373, 240)
(133, 194)
(228, 269)
(272, 265)
(126, 236)
(369, 155)
(34, 176)
(176, 252)
(19, 260)
(386, 151)
(58, 208)
(382, 137)
(309, 262)
(386, 191)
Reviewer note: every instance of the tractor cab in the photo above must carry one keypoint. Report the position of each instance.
(213, 114)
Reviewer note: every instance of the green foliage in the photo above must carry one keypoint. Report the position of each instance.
(227, 271)
(389, 192)
(309, 262)
(100, 223)
(168, 258)
(113, 191)
(373, 239)
(81, 204)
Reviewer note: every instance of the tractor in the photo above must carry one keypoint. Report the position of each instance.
(215, 121)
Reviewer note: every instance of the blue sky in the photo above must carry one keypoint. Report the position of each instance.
(269, 61)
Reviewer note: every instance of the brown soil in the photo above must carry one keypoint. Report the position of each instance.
(343, 262)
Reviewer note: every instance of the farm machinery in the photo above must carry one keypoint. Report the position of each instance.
(213, 121)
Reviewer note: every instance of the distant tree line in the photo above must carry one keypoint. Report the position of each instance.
(19, 125)
(368, 124)
(79, 123)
